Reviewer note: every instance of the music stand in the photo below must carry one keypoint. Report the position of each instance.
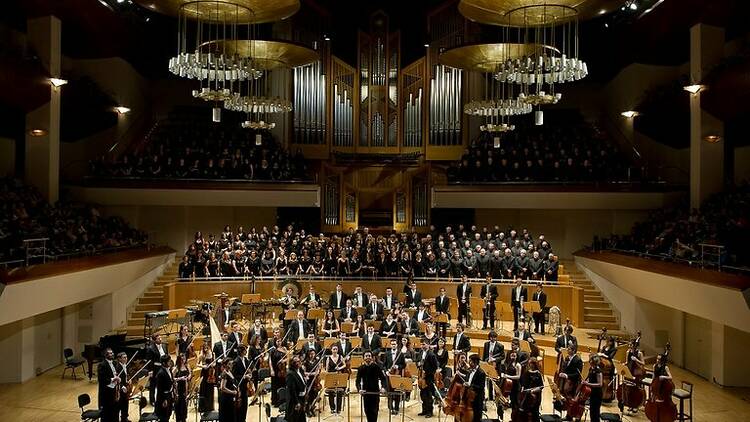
(355, 361)
(476, 305)
(442, 318)
(328, 342)
(531, 308)
(290, 315)
(416, 342)
(347, 327)
(356, 342)
(503, 308)
(316, 314)
(258, 396)
(376, 325)
(385, 342)
(300, 343)
(360, 310)
(411, 312)
(337, 383)
(489, 369)
(401, 386)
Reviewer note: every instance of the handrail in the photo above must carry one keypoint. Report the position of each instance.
(308, 277)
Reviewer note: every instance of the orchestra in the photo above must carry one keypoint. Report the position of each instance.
(295, 358)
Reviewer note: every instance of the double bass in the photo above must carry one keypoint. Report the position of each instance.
(458, 401)
(608, 369)
(660, 407)
(577, 405)
(630, 393)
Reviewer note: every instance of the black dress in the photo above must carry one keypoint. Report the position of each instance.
(595, 400)
(181, 406)
(206, 392)
(226, 401)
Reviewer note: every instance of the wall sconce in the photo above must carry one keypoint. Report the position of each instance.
(57, 82)
(629, 114)
(122, 110)
(712, 139)
(37, 132)
(694, 89)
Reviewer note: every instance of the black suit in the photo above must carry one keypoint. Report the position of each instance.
(442, 304)
(540, 297)
(344, 348)
(306, 348)
(463, 302)
(373, 345)
(573, 370)
(235, 339)
(564, 341)
(478, 380)
(389, 303)
(337, 303)
(350, 313)
(489, 291)
(497, 351)
(429, 365)
(295, 333)
(261, 332)
(155, 356)
(355, 300)
(413, 299)
(464, 343)
(369, 379)
(163, 405)
(517, 304)
(374, 311)
(307, 299)
(295, 393)
(107, 402)
(389, 362)
(219, 350)
(238, 371)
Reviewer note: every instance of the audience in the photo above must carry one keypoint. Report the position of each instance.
(678, 233)
(187, 145)
(70, 227)
(448, 254)
(572, 151)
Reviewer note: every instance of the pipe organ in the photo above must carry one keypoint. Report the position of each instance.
(310, 105)
(446, 111)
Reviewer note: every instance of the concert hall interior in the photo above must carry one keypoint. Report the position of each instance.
(329, 210)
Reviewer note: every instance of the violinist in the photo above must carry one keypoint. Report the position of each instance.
(370, 383)
(122, 373)
(406, 325)
(221, 348)
(109, 381)
(442, 356)
(254, 349)
(493, 353)
(388, 327)
(330, 325)
(311, 345)
(371, 341)
(208, 379)
(406, 350)
(530, 393)
(335, 363)
(512, 371)
(522, 334)
(258, 330)
(181, 374)
(157, 350)
(276, 336)
(430, 337)
(442, 306)
(277, 360)
(461, 341)
(185, 342)
(295, 389)
(374, 309)
(359, 329)
(476, 380)
(394, 363)
(235, 339)
(428, 365)
(463, 293)
(595, 381)
(241, 376)
(228, 393)
(345, 346)
(311, 368)
(489, 294)
(164, 386)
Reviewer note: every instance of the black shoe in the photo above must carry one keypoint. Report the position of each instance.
(428, 415)
(484, 327)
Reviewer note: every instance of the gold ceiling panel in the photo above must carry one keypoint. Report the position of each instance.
(245, 11)
(485, 57)
(267, 55)
(495, 12)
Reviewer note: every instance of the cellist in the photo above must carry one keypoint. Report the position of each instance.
(531, 387)
(476, 380)
(570, 372)
(512, 371)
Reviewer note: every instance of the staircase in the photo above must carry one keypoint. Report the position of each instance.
(597, 312)
(150, 301)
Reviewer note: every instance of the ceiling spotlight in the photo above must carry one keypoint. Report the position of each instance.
(122, 110)
(57, 82)
(633, 6)
(712, 139)
(629, 114)
(37, 132)
(326, 38)
(694, 88)
(602, 11)
(426, 45)
(120, 1)
(606, 25)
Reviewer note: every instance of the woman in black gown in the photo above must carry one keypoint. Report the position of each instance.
(181, 377)
(208, 375)
(227, 393)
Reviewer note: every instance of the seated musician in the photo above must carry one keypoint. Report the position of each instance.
(311, 296)
(394, 362)
(461, 341)
(345, 346)
(442, 306)
(521, 333)
(532, 383)
(406, 325)
(348, 313)
(331, 326)
(371, 342)
(476, 380)
(389, 301)
(388, 328)
(310, 345)
(430, 337)
(359, 329)
(359, 298)
(374, 309)
(493, 353)
(422, 315)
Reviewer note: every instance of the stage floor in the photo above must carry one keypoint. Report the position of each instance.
(49, 398)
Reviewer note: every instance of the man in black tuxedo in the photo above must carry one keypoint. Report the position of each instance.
(295, 392)
(489, 294)
(310, 345)
(566, 339)
(476, 380)
(156, 351)
(338, 298)
(348, 313)
(370, 383)
(541, 297)
(463, 293)
(508, 264)
(518, 295)
(571, 369)
(442, 306)
(241, 376)
(413, 296)
(389, 301)
(374, 309)
(222, 347)
(428, 362)
(461, 342)
(371, 342)
(122, 372)
(164, 385)
(258, 330)
(394, 362)
(493, 353)
(536, 266)
(345, 346)
(312, 296)
(299, 328)
(359, 298)
(106, 373)
(235, 339)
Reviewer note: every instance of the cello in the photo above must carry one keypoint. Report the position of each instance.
(630, 393)
(458, 401)
(660, 407)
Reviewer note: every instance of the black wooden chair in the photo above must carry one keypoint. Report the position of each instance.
(72, 363)
(89, 415)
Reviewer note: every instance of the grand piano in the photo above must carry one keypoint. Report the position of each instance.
(118, 343)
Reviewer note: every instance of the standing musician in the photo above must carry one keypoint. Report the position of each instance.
(222, 348)
(311, 368)
(374, 309)
(430, 337)
(310, 345)
(389, 301)
(523, 357)
(661, 370)
(413, 296)
(461, 342)
(359, 329)
(476, 380)
(181, 375)
(277, 360)
(241, 377)
(463, 293)
(276, 336)
(407, 326)
(345, 346)
(635, 362)
(235, 338)
(571, 371)
(184, 342)
(311, 297)
(335, 363)
(493, 353)
(122, 373)
(428, 364)
(348, 313)
(157, 350)
(442, 306)
(512, 371)
(541, 297)
(371, 342)
(208, 379)
(518, 296)
(489, 294)
(258, 330)
(531, 384)
(228, 393)
(422, 315)
(109, 381)
(164, 386)
(565, 340)
(359, 298)
(394, 363)
(338, 298)
(370, 383)
(289, 302)
(442, 356)
(595, 381)
(300, 328)
(222, 315)
(330, 325)
(295, 391)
